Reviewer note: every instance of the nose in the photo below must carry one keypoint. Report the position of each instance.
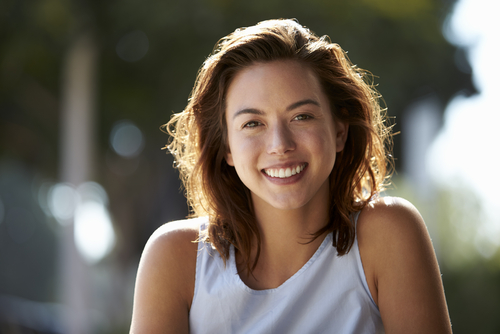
(281, 140)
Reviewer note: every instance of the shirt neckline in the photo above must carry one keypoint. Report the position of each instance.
(234, 271)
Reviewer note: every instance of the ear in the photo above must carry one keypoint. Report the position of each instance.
(342, 129)
(229, 158)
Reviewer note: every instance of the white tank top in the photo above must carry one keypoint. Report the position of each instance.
(329, 294)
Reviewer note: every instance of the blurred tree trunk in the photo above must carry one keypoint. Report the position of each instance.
(76, 166)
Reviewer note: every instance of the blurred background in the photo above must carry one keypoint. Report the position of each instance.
(85, 86)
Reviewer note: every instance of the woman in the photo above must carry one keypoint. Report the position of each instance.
(282, 151)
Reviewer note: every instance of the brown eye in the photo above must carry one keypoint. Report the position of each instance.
(302, 117)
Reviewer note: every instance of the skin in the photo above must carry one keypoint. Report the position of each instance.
(278, 117)
(165, 280)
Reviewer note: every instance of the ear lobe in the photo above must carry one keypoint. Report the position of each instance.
(229, 159)
(342, 129)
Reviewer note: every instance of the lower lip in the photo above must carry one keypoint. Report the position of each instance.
(286, 180)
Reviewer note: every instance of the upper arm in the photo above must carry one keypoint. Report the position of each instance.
(401, 268)
(165, 280)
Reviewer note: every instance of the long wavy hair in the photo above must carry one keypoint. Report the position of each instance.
(199, 143)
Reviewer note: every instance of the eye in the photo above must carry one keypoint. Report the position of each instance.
(302, 117)
(251, 124)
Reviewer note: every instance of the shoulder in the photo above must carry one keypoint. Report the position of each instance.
(387, 229)
(165, 278)
(172, 245)
(390, 217)
(173, 236)
(389, 208)
(391, 229)
(401, 268)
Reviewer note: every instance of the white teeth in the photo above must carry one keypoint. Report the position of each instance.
(284, 172)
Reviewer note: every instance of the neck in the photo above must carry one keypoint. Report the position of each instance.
(285, 240)
(292, 226)
(297, 224)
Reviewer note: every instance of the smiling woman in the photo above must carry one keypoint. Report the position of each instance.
(288, 126)
(282, 150)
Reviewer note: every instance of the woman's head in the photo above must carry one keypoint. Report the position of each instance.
(282, 138)
(200, 141)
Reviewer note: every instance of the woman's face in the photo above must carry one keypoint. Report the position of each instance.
(281, 134)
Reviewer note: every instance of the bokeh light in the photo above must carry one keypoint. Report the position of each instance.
(62, 200)
(126, 139)
(94, 234)
(42, 197)
(86, 206)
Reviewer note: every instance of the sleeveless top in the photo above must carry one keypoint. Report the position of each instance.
(329, 294)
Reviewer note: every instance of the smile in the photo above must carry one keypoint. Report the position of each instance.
(283, 173)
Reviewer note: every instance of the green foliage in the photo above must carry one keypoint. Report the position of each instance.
(473, 296)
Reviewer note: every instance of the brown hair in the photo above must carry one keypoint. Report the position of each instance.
(199, 138)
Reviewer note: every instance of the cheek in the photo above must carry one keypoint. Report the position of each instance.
(320, 141)
(321, 145)
(243, 151)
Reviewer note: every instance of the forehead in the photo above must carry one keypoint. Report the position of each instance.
(272, 84)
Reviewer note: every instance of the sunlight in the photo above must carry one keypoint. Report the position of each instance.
(466, 148)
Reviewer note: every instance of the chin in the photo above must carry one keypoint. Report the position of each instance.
(288, 205)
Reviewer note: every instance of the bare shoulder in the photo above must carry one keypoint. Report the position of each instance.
(401, 267)
(390, 208)
(165, 279)
(390, 217)
(387, 228)
(172, 246)
(173, 236)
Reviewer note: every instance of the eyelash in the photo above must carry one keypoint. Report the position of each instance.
(248, 124)
(303, 117)
(254, 124)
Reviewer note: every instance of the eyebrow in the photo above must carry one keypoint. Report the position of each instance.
(302, 103)
(291, 107)
(248, 111)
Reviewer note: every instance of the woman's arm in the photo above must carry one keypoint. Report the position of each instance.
(401, 268)
(165, 280)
